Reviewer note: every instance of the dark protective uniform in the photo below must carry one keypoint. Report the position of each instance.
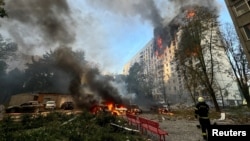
(201, 112)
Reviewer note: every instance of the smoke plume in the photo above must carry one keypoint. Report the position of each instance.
(52, 22)
(148, 10)
(88, 86)
(51, 18)
(164, 19)
(145, 9)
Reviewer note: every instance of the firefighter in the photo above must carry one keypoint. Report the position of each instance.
(201, 113)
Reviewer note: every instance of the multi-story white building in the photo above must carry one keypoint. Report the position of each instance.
(169, 80)
(144, 55)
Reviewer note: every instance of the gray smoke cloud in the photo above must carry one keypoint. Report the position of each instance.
(206, 3)
(87, 86)
(38, 25)
(50, 18)
(148, 10)
(163, 15)
(51, 21)
(50, 24)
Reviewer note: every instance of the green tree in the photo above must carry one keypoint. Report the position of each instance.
(133, 79)
(2, 10)
(195, 53)
(47, 74)
(140, 83)
(7, 50)
(13, 84)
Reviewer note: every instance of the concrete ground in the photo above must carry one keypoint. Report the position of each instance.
(180, 129)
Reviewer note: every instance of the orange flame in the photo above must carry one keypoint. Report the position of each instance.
(111, 107)
(159, 42)
(159, 45)
(190, 14)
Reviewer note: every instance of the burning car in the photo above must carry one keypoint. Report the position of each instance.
(159, 108)
(119, 109)
(97, 109)
(134, 109)
(109, 107)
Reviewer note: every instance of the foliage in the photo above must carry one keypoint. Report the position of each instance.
(7, 52)
(237, 58)
(46, 74)
(133, 79)
(59, 126)
(2, 10)
(195, 55)
(140, 82)
(7, 49)
(42, 74)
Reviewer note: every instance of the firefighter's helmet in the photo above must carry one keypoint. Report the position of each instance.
(200, 99)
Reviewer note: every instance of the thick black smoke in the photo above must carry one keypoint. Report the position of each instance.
(145, 9)
(150, 11)
(166, 32)
(52, 19)
(166, 35)
(88, 86)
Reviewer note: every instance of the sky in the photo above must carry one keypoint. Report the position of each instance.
(110, 32)
(128, 35)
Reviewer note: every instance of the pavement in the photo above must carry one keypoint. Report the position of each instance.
(180, 129)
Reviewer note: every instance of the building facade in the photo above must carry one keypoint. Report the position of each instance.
(42, 98)
(240, 14)
(170, 85)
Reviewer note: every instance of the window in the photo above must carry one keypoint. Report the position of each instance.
(241, 7)
(247, 30)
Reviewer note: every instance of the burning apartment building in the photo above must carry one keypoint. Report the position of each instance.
(87, 85)
(171, 86)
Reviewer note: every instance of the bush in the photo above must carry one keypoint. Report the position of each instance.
(59, 126)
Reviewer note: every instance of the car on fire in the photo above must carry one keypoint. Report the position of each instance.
(98, 109)
(109, 107)
(159, 108)
(119, 109)
(134, 109)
